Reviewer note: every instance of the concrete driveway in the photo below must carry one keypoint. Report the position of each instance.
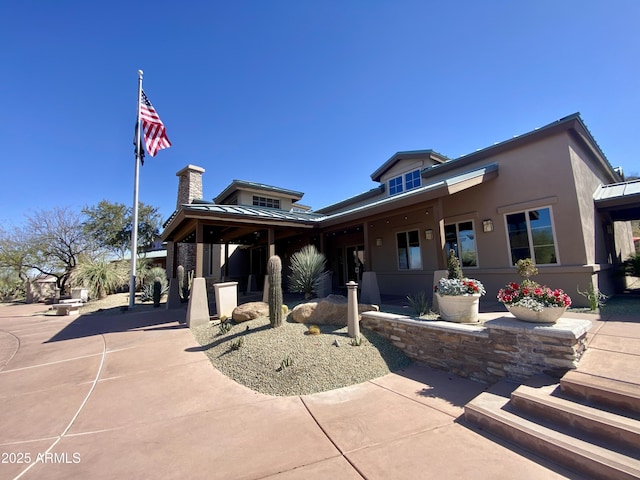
(133, 396)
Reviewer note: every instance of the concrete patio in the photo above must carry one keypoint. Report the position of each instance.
(133, 396)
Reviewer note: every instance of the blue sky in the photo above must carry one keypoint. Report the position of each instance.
(307, 95)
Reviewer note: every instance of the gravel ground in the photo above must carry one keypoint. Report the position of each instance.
(317, 364)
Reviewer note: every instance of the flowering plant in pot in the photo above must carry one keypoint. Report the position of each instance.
(530, 301)
(458, 297)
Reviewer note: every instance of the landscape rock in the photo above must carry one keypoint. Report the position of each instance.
(250, 311)
(331, 310)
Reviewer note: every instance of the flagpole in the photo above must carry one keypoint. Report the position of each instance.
(134, 226)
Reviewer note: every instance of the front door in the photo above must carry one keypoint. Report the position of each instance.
(354, 265)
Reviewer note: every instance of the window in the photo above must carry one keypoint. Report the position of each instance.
(266, 202)
(461, 238)
(409, 257)
(531, 236)
(412, 180)
(404, 182)
(395, 185)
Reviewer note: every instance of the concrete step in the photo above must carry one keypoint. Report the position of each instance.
(608, 392)
(492, 413)
(609, 428)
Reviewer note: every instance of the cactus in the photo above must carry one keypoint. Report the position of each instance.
(157, 291)
(274, 270)
(184, 282)
(453, 266)
(180, 275)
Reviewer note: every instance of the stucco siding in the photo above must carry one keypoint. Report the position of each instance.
(536, 175)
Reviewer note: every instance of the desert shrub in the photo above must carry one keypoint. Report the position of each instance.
(285, 363)
(236, 344)
(100, 277)
(150, 274)
(149, 277)
(596, 298)
(224, 327)
(307, 271)
(632, 265)
(419, 303)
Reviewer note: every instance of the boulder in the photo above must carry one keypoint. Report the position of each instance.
(250, 311)
(331, 310)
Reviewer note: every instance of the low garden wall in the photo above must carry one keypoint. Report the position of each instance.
(499, 348)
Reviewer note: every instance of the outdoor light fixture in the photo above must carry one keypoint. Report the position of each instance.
(487, 225)
(379, 242)
(428, 234)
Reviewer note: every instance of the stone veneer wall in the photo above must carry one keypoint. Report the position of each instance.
(498, 349)
(189, 184)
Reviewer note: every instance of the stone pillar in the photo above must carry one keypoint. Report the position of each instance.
(198, 309)
(353, 320)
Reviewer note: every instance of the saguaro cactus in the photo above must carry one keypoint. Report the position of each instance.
(157, 291)
(274, 270)
(184, 284)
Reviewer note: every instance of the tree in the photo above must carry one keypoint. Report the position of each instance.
(51, 243)
(110, 225)
(13, 262)
(14, 251)
(54, 241)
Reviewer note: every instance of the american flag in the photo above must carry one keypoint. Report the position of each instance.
(155, 135)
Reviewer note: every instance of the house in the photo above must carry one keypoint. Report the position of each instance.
(549, 194)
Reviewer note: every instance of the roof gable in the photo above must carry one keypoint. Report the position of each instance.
(243, 185)
(430, 156)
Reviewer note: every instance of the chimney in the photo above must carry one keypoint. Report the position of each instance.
(189, 185)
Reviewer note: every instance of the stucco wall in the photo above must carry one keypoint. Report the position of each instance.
(548, 173)
(245, 197)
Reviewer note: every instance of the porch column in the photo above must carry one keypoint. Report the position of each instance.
(440, 238)
(368, 258)
(199, 249)
(226, 261)
(172, 260)
(271, 238)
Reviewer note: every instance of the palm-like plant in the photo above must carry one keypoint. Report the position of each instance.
(100, 277)
(307, 271)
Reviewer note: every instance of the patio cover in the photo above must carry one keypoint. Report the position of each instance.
(620, 200)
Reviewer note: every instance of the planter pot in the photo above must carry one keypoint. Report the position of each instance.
(459, 308)
(547, 315)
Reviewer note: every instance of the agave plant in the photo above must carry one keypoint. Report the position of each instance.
(307, 271)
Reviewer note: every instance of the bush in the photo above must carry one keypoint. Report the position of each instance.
(632, 265)
(100, 277)
(419, 303)
(307, 271)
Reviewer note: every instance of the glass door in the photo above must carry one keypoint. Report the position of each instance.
(354, 265)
